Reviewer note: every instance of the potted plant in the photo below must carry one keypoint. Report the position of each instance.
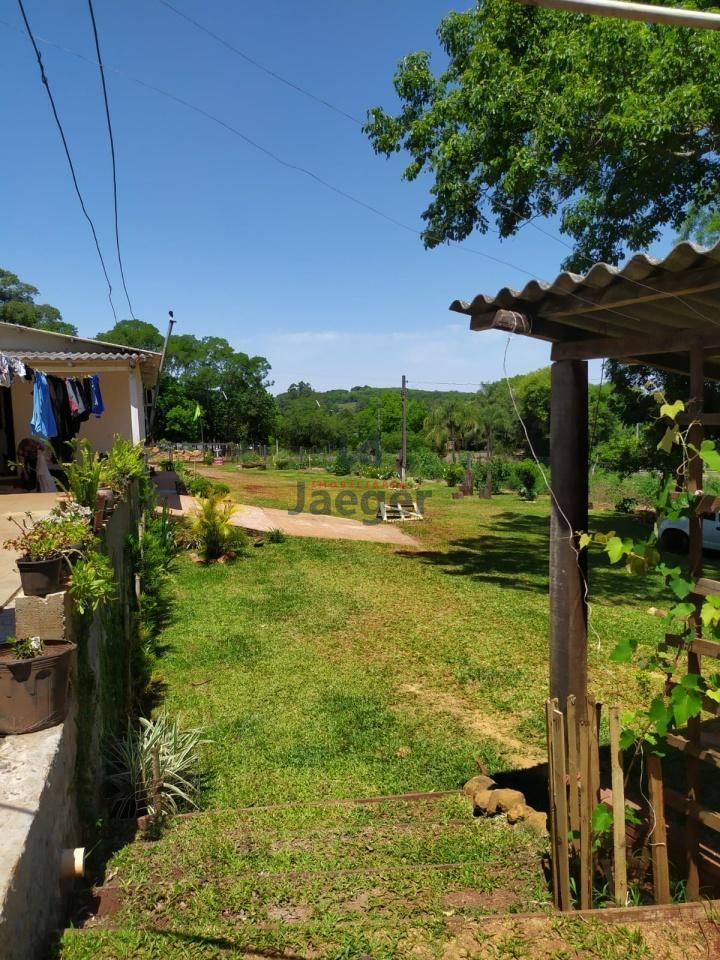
(42, 545)
(33, 683)
(88, 480)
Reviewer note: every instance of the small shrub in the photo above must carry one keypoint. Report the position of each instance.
(626, 505)
(526, 479)
(124, 464)
(212, 531)
(198, 486)
(426, 463)
(208, 458)
(92, 582)
(129, 761)
(454, 474)
(343, 464)
(85, 473)
(220, 489)
(281, 463)
(276, 536)
(500, 470)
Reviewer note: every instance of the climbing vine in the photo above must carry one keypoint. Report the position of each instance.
(683, 698)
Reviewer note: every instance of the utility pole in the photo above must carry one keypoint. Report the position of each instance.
(403, 463)
(156, 392)
(646, 12)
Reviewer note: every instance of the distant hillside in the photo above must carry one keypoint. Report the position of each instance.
(356, 399)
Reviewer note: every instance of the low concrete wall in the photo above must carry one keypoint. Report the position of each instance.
(51, 780)
(39, 821)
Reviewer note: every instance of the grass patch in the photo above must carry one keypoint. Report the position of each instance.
(325, 670)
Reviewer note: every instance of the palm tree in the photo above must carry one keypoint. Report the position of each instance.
(451, 424)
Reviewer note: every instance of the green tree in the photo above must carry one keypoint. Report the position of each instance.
(134, 333)
(451, 425)
(615, 124)
(17, 305)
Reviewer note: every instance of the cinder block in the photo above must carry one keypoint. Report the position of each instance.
(46, 617)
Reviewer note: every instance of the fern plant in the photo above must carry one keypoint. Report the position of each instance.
(86, 473)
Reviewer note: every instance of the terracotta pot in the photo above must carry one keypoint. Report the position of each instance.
(39, 577)
(34, 693)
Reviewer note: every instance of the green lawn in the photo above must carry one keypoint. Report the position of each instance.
(324, 670)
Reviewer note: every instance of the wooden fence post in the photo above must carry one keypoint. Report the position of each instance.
(618, 792)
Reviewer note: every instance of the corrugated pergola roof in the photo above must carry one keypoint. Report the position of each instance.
(661, 305)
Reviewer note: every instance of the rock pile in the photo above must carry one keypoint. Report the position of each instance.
(490, 800)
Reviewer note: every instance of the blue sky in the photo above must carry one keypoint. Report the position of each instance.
(237, 245)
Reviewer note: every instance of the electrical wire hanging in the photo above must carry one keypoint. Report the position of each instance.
(112, 154)
(260, 66)
(46, 84)
(361, 203)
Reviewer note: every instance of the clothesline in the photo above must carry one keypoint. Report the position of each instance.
(60, 404)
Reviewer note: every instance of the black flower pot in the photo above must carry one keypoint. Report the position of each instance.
(40, 577)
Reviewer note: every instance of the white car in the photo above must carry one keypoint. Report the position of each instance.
(674, 533)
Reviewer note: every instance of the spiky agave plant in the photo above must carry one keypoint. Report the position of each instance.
(130, 760)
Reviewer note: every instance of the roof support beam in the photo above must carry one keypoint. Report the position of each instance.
(568, 565)
(512, 321)
(619, 348)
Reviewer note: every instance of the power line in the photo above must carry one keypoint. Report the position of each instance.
(112, 154)
(260, 66)
(361, 203)
(46, 84)
(529, 222)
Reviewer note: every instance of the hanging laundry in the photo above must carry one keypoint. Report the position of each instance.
(97, 406)
(17, 367)
(10, 367)
(72, 399)
(67, 424)
(43, 420)
(6, 374)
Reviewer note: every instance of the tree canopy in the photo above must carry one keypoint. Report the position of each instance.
(17, 305)
(230, 387)
(613, 124)
(134, 333)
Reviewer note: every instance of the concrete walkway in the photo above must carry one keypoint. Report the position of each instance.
(262, 519)
(310, 525)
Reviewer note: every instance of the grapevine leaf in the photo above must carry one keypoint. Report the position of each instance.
(682, 611)
(708, 454)
(617, 548)
(602, 818)
(671, 410)
(685, 704)
(710, 611)
(713, 694)
(659, 715)
(669, 438)
(681, 587)
(585, 540)
(624, 650)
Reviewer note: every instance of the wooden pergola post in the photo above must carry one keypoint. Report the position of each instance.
(568, 568)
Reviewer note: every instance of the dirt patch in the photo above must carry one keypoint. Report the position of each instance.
(498, 901)
(290, 913)
(484, 724)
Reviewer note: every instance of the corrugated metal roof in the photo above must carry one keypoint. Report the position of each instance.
(62, 355)
(648, 295)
